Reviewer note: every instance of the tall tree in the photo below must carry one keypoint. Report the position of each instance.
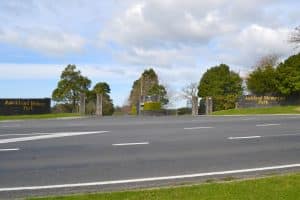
(147, 85)
(263, 80)
(100, 89)
(70, 86)
(295, 36)
(289, 76)
(219, 82)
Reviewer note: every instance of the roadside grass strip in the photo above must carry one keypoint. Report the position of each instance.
(280, 187)
(256, 111)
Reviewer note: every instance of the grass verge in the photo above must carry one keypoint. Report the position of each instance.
(42, 116)
(285, 187)
(254, 111)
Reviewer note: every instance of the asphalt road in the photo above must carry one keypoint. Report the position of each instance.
(93, 154)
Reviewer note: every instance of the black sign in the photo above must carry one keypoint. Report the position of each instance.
(249, 101)
(24, 106)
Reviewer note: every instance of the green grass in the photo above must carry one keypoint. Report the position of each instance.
(285, 187)
(254, 111)
(42, 116)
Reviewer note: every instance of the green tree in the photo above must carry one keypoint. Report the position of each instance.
(70, 86)
(160, 91)
(108, 106)
(100, 89)
(289, 76)
(218, 82)
(263, 80)
(147, 84)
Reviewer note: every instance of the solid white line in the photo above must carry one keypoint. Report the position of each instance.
(130, 144)
(246, 137)
(48, 136)
(195, 128)
(17, 149)
(262, 125)
(20, 134)
(162, 178)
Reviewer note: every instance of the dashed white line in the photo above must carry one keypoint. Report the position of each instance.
(246, 137)
(263, 125)
(162, 178)
(16, 149)
(130, 144)
(195, 128)
(48, 136)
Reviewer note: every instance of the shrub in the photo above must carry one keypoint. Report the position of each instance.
(133, 110)
(184, 111)
(152, 106)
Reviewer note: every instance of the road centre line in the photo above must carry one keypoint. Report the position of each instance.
(16, 149)
(48, 136)
(130, 144)
(263, 125)
(162, 178)
(246, 137)
(195, 128)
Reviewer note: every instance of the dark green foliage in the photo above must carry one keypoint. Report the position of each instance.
(62, 108)
(184, 111)
(102, 88)
(289, 76)
(159, 90)
(71, 84)
(152, 106)
(220, 82)
(263, 81)
(108, 106)
(147, 84)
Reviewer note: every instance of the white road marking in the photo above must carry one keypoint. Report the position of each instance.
(20, 134)
(162, 178)
(48, 136)
(16, 149)
(130, 144)
(195, 128)
(10, 126)
(246, 137)
(263, 125)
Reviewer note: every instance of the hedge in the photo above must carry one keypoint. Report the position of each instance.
(152, 106)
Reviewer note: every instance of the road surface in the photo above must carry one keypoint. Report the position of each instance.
(40, 157)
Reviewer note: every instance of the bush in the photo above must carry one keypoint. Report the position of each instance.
(184, 111)
(224, 102)
(152, 106)
(62, 108)
(133, 110)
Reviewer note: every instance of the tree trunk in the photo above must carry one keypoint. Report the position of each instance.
(99, 105)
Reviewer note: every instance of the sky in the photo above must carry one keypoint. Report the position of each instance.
(115, 41)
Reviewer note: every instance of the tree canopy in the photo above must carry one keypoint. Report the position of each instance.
(223, 85)
(70, 85)
(289, 76)
(218, 81)
(263, 80)
(147, 85)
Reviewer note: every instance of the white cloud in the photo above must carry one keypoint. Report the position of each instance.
(49, 42)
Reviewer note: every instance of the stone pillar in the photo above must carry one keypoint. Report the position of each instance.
(208, 105)
(82, 104)
(194, 105)
(99, 105)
